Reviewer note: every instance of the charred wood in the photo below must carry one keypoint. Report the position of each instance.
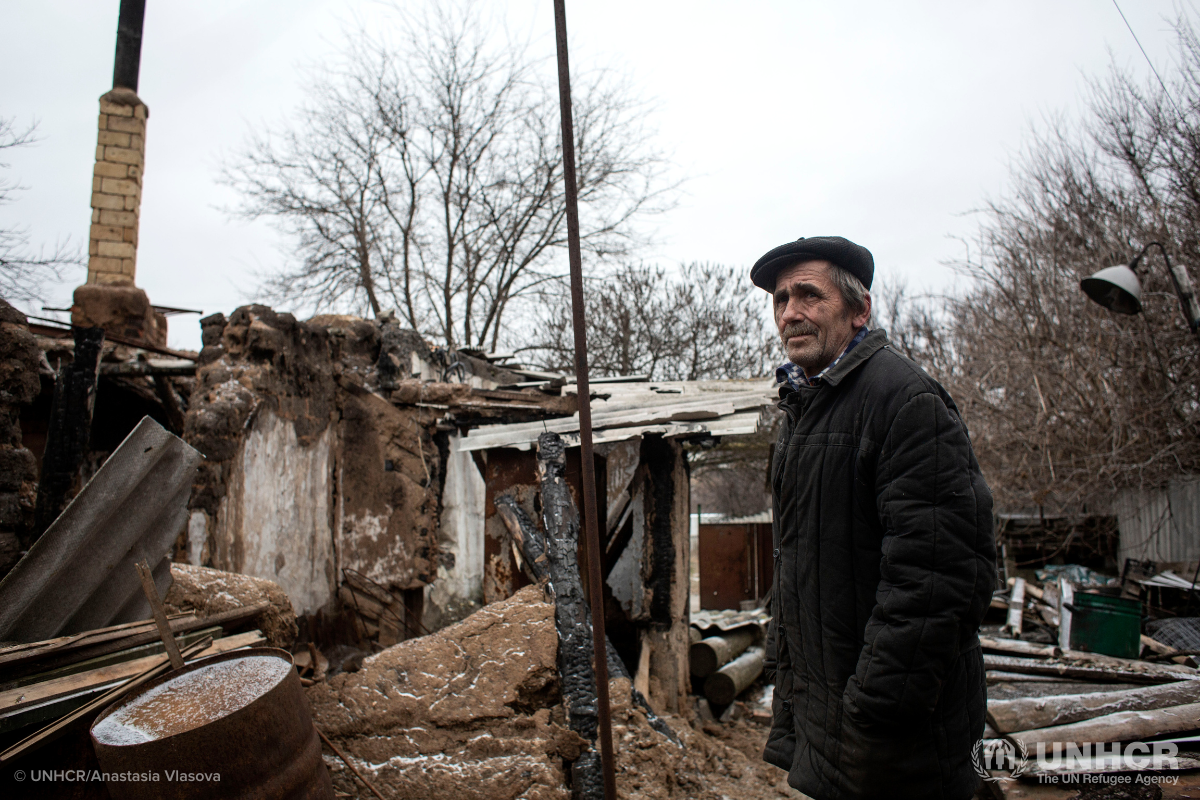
(69, 431)
(531, 544)
(572, 617)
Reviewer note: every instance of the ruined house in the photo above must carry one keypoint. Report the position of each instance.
(358, 467)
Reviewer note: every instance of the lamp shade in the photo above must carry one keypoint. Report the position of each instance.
(1116, 288)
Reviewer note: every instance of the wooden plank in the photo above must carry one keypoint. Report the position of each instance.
(1027, 713)
(1091, 672)
(1017, 647)
(151, 649)
(1016, 607)
(160, 614)
(88, 650)
(1000, 676)
(24, 696)
(18, 652)
(1123, 726)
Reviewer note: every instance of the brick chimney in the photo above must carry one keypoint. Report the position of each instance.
(117, 188)
(110, 299)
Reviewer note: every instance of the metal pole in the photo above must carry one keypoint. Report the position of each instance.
(586, 456)
(1182, 282)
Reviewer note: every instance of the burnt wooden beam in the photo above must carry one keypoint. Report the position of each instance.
(532, 545)
(69, 431)
(572, 616)
(170, 401)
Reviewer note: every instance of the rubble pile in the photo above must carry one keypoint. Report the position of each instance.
(474, 711)
(208, 592)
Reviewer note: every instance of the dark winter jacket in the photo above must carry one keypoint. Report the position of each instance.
(884, 566)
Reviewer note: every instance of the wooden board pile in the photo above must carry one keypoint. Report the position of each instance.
(1107, 704)
(54, 687)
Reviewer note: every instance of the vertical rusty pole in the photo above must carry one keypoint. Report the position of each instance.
(586, 456)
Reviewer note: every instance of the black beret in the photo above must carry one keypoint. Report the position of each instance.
(854, 258)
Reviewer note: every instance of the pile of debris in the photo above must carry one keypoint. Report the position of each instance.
(1083, 690)
(51, 691)
(475, 711)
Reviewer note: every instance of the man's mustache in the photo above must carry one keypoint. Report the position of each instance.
(799, 329)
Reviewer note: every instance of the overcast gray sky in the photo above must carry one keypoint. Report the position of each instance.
(885, 122)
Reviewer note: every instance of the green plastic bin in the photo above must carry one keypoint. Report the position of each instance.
(1108, 625)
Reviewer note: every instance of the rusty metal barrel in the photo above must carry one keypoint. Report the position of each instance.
(236, 725)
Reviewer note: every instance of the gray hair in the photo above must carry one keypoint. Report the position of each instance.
(854, 294)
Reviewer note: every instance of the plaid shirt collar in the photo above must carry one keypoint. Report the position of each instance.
(792, 376)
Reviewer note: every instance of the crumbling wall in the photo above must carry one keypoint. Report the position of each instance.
(388, 486)
(19, 385)
(309, 470)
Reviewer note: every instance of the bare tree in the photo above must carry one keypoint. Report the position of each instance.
(1068, 402)
(707, 321)
(24, 271)
(425, 174)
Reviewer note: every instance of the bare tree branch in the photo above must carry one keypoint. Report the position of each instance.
(425, 173)
(25, 270)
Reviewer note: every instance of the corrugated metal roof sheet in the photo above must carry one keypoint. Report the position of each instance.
(677, 408)
(79, 575)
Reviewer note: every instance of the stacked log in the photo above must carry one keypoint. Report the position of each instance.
(709, 655)
(1027, 713)
(723, 686)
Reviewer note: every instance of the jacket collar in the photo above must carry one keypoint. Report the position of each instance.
(875, 341)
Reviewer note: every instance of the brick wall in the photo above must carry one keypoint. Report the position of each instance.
(117, 188)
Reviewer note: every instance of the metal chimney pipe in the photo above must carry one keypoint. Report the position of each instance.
(129, 44)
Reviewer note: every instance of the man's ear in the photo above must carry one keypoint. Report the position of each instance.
(864, 316)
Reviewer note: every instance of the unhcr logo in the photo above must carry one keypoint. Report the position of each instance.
(1001, 755)
(994, 755)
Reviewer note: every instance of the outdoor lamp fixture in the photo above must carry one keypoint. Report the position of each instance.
(1118, 288)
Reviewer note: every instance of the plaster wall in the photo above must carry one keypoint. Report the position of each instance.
(275, 520)
(459, 585)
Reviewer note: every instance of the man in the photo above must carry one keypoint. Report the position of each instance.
(884, 556)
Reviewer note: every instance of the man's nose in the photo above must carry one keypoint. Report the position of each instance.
(791, 312)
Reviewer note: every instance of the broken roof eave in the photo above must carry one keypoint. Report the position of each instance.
(523, 436)
(627, 411)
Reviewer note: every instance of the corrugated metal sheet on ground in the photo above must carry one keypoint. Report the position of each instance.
(79, 575)
(1160, 524)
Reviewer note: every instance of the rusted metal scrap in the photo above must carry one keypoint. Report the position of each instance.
(530, 542)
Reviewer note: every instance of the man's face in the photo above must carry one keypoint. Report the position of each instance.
(814, 322)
